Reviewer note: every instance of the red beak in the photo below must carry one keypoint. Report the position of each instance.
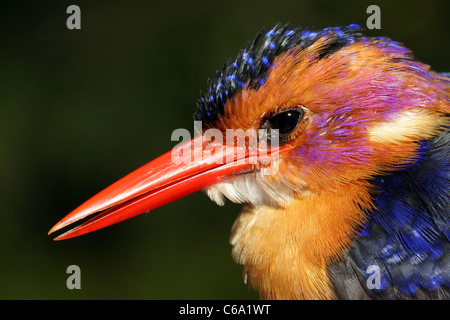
(197, 165)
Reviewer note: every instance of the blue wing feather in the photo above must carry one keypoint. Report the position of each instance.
(408, 234)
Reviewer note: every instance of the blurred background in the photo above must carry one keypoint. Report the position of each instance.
(79, 109)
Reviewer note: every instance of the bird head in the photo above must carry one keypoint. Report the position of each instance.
(349, 107)
(335, 109)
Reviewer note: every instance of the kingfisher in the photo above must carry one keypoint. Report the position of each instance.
(350, 198)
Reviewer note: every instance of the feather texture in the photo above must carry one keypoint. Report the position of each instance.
(408, 233)
(366, 183)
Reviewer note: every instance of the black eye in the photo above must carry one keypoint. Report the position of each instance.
(285, 121)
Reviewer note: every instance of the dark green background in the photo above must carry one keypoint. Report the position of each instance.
(80, 109)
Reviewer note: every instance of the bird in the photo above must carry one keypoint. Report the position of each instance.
(346, 192)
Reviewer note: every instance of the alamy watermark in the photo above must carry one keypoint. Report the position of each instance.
(374, 280)
(74, 20)
(74, 280)
(257, 147)
(374, 20)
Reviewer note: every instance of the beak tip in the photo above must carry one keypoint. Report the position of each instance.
(61, 236)
(55, 228)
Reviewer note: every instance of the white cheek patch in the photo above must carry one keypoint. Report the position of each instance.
(407, 126)
(252, 188)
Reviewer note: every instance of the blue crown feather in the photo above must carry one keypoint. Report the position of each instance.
(251, 66)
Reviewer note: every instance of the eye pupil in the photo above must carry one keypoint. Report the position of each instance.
(286, 121)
